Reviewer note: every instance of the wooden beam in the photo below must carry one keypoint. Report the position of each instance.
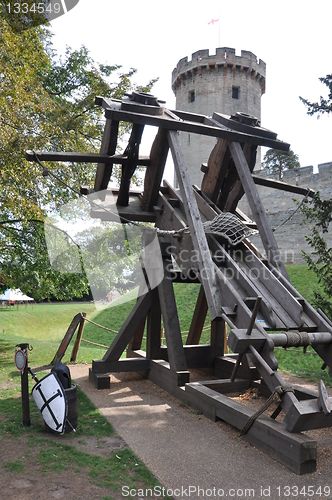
(153, 327)
(154, 173)
(171, 381)
(197, 356)
(129, 167)
(173, 124)
(283, 186)
(219, 336)
(236, 191)
(128, 329)
(108, 146)
(295, 451)
(78, 339)
(122, 365)
(205, 264)
(198, 320)
(83, 157)
(259, 215)
(213, 179)
(172, 329)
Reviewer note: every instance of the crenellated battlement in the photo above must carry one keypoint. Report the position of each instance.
(224, 58)
(305, 176)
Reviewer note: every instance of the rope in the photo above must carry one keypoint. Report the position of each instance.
(94, 343)
(297, 339)
(304, 200)
(100, 326)
(275, 397)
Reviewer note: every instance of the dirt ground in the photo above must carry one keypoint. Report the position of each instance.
(32, 484)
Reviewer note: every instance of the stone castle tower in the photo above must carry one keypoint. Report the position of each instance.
(223, 82)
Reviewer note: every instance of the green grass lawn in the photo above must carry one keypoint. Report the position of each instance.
(44, 325)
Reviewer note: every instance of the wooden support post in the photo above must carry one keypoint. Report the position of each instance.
(155, 171)
(136, 342)
(259, 215)
(129, 167)
(198, 320)
(214, 177)
(176, 355)
(78, 339)
(205, 264)
(153, 327)
(128, 329)
(218, 335)
(108, 146)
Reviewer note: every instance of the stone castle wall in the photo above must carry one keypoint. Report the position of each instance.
(279, 205)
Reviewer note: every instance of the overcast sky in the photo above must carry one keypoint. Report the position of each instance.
(292, 37)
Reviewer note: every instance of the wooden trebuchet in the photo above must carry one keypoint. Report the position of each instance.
(240, 290)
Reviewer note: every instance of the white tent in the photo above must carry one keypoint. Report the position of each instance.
(15, 296)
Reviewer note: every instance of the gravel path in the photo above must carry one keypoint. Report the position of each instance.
(185, 450)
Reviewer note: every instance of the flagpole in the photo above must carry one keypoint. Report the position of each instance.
(219, 33)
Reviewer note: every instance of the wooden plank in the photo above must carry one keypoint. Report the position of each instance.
(224, 365)
(78, 339)
(122, 365)
(219, 336)
(172, 329)
(172, 124)
(198, 319)
(83, 157)
(108, 146)
(213, 179)
(154, 173)
(136, 341)
(205, 264)
(232, 191)
(129, 167)
(128, 329)
(259, 215)
(108, 209)
(285, 305)
(171, 381)
(229, 122)
(153, 327)
(305, 416)
(66, 339)
(283, 186)
(295, 451)
(246, 283)
(226, 386)
(99, 380)
(197, 356)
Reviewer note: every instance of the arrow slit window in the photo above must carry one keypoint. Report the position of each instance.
(236, 92)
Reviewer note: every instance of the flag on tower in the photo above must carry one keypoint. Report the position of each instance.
(213, 21)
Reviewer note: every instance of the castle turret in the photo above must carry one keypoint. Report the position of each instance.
(223, 82)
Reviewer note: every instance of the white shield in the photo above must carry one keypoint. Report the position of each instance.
(51, 401)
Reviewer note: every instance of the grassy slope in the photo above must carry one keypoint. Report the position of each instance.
(44, 325)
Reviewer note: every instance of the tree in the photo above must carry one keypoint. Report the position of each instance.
(324, 105)
(278, 161)
(46, 103)
(319, 212)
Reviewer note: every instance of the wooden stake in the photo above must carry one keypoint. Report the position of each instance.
(78, 339)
